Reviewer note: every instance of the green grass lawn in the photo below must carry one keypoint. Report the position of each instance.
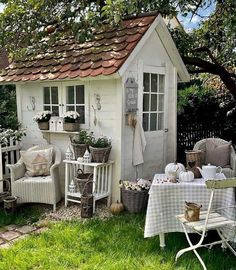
(116, 243)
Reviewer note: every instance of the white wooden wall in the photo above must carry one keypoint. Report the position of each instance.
(108, 119)
(152, 54)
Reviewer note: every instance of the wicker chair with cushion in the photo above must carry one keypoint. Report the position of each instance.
(221, 151)
(42, 186)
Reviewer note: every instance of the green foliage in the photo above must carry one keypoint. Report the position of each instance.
(80, 138)
(208, 108)
(23, 216)
(100, 142)
(7, 134)
(8, 117)
(115, 243)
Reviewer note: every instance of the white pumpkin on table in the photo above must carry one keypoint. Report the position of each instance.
(174, 167)
(186, 176)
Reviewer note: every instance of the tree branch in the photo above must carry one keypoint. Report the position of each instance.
(216, 69)
(207, 50)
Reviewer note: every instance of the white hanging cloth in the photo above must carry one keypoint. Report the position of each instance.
(139, 144)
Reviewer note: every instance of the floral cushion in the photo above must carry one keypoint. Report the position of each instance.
(37, 162)
(218, 155)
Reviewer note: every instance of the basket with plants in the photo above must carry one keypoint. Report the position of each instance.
(99, 148)
(79, 143)
(134, 194)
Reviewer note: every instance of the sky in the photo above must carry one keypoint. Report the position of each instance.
(193, 23)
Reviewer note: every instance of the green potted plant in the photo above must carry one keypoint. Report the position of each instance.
(79, 143)
(42, 118)
(100, 148)
(71, 121)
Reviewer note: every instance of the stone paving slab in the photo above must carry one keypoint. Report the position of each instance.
(11, 227)
(26, 229)
(9, 235)
(1, 241)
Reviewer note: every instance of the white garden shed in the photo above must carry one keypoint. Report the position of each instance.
(95, 78)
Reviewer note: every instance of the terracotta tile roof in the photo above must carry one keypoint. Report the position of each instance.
(69, 59)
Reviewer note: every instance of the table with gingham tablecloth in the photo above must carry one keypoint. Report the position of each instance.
(166, 200)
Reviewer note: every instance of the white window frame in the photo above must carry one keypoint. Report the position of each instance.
(158, 71)
(86, 100)
(62, 98)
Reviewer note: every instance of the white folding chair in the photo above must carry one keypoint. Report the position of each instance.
(209, 220)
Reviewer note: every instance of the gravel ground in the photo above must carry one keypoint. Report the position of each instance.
(72, 211)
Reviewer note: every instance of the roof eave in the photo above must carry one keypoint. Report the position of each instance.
(83, 79)
(159, 26)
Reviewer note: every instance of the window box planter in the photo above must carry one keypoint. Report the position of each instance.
(43, 125)
(71, 126)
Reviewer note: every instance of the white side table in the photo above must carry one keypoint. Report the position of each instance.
(102, 176)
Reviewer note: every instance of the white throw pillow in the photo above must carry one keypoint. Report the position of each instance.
(37, 162)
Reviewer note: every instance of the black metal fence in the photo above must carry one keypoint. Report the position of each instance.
(189, 134)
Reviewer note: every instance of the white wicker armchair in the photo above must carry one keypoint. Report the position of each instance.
(229, 171)
(38, 189)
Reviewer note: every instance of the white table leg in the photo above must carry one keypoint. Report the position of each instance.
(162, 240)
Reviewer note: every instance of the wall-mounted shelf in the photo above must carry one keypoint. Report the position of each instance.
(59, 132)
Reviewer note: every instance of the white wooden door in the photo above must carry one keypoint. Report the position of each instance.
(154, 117)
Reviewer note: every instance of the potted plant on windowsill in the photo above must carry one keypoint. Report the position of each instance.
(71, 121)
(99, 148)
(79, 143)
(42, 118)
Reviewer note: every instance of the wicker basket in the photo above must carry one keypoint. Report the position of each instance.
(79, 149)
(193, 160)
(71, 126)
(134, 201)
(81, 180)
(43, 125)
(6, 193)
(192, 211)
(100, 155)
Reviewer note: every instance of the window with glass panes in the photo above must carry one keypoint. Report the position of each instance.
(153, 101)
(50, 99)
(75, 100)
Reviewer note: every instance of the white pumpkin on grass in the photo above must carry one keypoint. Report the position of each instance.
(186, 176)
(174, 167)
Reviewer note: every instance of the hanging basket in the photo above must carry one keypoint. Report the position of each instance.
(71, 126)
(192, 211)
(134, 201)
(81, 182)
(43, 125)
(100, 155)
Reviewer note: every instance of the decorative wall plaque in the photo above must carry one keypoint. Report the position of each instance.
(131, 95)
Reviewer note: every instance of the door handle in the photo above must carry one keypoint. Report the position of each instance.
(166, 130)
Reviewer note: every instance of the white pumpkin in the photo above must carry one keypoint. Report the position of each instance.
(176, 167)
(186, 176)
